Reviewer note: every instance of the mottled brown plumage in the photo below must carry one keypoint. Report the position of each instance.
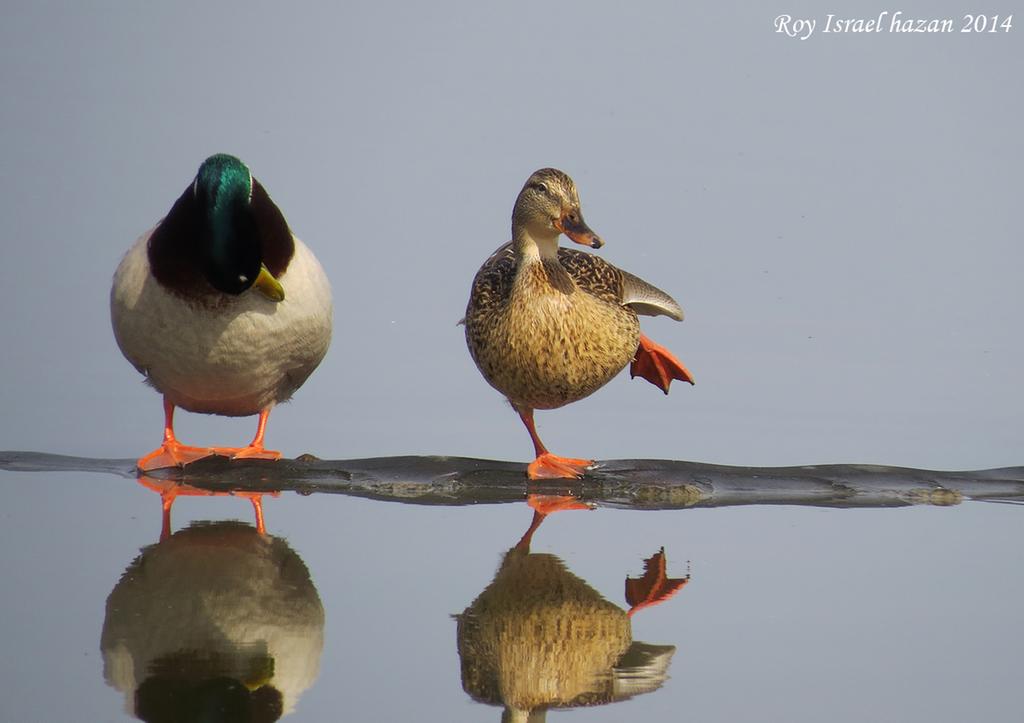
(553, 335)
(548, 326)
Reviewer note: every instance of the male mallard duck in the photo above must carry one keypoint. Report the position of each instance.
(548, 326)
(221, 308)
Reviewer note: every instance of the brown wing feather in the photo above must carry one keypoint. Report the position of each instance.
(593, 274)
(598, 277)
(493, 282)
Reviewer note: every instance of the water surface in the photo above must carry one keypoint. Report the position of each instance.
(353, 607)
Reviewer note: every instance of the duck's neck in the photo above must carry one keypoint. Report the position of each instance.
(533, 247)
(538, 269)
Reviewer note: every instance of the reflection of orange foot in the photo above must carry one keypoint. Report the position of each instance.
(654, 586)
(170, 490)
(657, 365)
(172, 454)
(250, 452)
(551, 466)
(546, 504)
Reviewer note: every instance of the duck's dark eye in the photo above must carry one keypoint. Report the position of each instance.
(540, 187)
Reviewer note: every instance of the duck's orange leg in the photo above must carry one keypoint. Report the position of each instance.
(657, 365)
(171, 453)
(547, 465)
(255, 450)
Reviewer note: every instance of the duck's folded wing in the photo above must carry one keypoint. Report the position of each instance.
(492, 283)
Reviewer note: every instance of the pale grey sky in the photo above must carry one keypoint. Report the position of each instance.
(838, 216)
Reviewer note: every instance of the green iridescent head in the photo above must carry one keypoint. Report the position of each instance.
(233, 258)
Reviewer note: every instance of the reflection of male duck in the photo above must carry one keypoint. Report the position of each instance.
(217, 622)
(170, 490)
(539, 637)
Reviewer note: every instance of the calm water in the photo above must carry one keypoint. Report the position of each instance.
(345, 609)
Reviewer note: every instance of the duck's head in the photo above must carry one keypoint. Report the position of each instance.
(229, 238)
(549, 205)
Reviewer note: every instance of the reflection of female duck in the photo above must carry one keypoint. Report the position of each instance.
(215, 617)
(540, 637)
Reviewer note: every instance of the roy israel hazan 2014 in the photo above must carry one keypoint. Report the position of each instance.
(885, 21)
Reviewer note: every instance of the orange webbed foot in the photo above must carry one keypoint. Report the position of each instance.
(250, 452)
(172, 454)
(551, 466)
(255, 450)
(654, 586)
(658, 365)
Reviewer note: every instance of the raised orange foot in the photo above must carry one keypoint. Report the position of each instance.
(657, 365)
(551, 466)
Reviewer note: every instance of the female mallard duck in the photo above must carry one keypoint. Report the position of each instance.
(548, 326)
(221, 308)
